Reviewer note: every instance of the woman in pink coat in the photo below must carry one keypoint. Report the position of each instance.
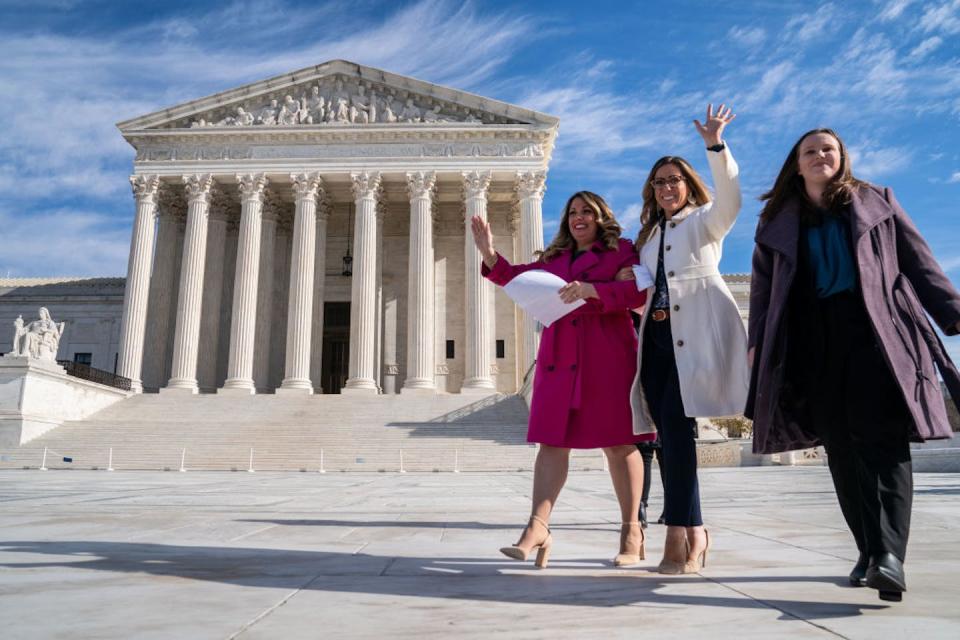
(585, 366)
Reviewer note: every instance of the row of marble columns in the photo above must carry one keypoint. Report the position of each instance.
(306, 281)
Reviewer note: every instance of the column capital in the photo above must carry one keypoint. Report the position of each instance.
(306, 186)
(476, 183)
(366, 185)
(252, 186)
(531, 184)
(145, 187)
(198, 186)
(421, 184)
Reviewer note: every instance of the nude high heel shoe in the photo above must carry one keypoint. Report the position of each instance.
(700, 562)
(674, 567)
(624, 559)
(518, 552)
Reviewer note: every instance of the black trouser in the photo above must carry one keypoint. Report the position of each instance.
(647, 452)
(661, 387)
(862, 419)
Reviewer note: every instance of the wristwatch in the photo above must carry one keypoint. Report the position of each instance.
(717, 147)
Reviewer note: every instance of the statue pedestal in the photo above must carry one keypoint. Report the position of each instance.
(36, 396)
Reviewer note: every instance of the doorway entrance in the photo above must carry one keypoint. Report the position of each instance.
(335, 364)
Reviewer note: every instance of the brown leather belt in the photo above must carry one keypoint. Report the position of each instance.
(659, 315)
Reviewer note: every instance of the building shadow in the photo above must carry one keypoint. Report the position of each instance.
(421, 524)
(464, 578)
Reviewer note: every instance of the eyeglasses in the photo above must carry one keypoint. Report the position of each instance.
(673, 181)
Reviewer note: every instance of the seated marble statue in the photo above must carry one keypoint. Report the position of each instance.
(40, 339)
(410, 112)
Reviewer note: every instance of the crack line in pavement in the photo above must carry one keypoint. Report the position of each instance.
(270, 610)
(772, 606)
(787, 544)
(252, 533)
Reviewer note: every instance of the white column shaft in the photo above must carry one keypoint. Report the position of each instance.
(300, 304)
(136, 296)
(244, 317)
(363, 298)
(186, 339)
(265, 303)
(421, 350)
(530, 189)
(319, 289)
(478, 294)
(208, 349)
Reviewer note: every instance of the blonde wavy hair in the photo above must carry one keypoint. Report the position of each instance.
(697, 194)
(608, 231)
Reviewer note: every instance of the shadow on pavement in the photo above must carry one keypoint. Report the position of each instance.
(457, 578)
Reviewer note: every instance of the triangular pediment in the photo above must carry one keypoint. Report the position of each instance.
(337, 93)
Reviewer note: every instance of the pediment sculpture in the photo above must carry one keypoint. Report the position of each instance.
(39, 339)
(334, 101)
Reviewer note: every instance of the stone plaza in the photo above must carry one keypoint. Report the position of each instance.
(203, 555)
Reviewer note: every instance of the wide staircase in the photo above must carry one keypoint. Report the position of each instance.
(294, 433)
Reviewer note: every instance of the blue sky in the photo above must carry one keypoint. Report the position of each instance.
(625, 78)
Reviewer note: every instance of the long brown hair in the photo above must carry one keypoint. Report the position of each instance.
(608, 231)
(697, 194)
(789, 183)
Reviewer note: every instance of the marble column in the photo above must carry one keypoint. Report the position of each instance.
(171, 213)
(243, 321)
(421, 351)
(324, 207)
(265, 292)
(218, 219)
(530, 187)
(302, 260)
(478, 293)
(363, 297)
(183, 375)
(136, 296)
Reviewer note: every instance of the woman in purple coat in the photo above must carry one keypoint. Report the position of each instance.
(585, 365)
(842, 352)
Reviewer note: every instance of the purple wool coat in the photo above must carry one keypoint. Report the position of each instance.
(587, 359)
(899, 281)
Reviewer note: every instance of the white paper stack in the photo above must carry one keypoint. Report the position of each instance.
(536, 292)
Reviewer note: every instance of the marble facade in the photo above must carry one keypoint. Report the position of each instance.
(249, 204)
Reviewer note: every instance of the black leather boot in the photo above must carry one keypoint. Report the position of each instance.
(643, 515)
(858, 577)
(885, 574)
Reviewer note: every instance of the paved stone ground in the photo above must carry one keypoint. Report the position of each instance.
(222, 555)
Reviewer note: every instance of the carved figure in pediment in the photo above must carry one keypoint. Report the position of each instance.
(385, 113)
(40, 339)
(196, 124)
(289, 112)
(410, 112)
(433, 115)
(363, 109)
(243, 118)
(269, 113)
(315, 107)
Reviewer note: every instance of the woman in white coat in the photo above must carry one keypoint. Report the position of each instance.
(693, 353)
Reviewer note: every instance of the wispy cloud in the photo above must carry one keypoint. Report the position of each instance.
(894, 9)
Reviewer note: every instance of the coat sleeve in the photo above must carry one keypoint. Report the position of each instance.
(620, 295)
(937, 294)
(719, 218)
(503, 272)
(760, 279)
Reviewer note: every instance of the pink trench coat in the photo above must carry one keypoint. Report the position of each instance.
(587, 359)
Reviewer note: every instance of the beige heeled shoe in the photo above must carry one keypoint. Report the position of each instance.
(624, 559)
(700, 562)
(518, 552)
(674, 567)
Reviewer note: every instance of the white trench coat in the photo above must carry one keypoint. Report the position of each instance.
(709, 340)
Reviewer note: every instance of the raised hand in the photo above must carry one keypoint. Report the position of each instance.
(483, 238)
(712, 129)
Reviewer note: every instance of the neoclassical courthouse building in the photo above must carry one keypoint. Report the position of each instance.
(306, 234)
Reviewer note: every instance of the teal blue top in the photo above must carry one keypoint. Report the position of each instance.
(831, 256)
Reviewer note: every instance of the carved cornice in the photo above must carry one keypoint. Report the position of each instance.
(476, 184)
(366, 185)
(252, 186)
(421, 184)
(198, 187)
(306, 186)
(145, 187)
(531, 184)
